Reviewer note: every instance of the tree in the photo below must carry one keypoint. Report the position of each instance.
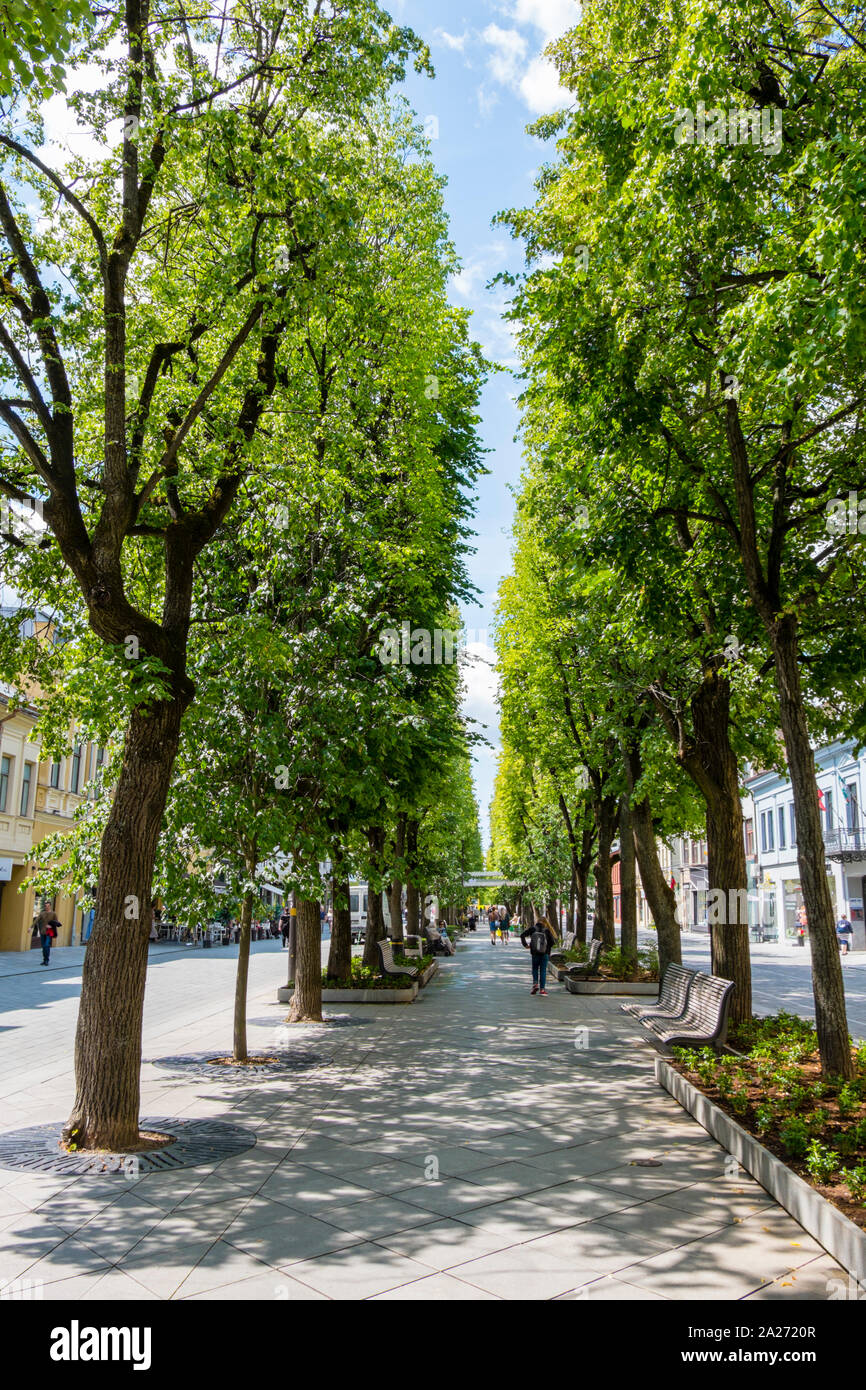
(660, 309)
(157, 361)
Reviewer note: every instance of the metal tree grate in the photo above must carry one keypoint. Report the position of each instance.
(36, 1149)
(207, 1065)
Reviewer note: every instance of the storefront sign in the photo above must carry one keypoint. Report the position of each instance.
(5, 870)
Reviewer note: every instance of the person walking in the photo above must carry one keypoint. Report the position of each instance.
(539, 941)
(47, 924)
(844, 935)
(493, 923)
(503, 924)
(285, 927)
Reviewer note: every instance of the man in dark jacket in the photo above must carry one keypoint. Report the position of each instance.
(539, 941)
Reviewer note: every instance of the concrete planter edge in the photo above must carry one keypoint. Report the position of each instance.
(829, 1226)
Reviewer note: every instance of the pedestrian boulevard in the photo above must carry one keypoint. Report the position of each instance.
(482, 1143)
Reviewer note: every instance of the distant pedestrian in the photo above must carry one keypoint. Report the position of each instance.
(539, 940)
(493, 923)
(844, 935)
(47, 925)
(285, 927)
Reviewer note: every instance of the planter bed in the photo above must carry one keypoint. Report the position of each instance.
(359, 996)
(839, 1236)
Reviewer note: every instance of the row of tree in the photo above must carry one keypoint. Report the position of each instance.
(693, 339)
(233, 383)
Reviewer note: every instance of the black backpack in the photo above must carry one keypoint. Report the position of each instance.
(538, 942)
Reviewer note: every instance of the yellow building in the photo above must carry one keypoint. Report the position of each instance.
(37, 798)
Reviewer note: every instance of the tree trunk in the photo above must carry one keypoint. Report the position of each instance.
(717, 778)
(395, 891)
(306, 1005)
(375, 930)
(108, 1036)
(831, 1019)
(659, 894)
(604, 926)
(340, 953)
(627, 887)
(240, 1024)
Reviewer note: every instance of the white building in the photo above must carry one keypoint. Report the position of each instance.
(841, 779)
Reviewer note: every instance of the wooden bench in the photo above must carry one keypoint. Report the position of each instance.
(673, 996)
(566, 944)
(386, 956)
(704, 1019)
(590, 965)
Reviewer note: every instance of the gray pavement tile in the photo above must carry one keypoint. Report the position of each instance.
(274, 1286)
(225, 1264)
(524, 1272)
(380, 1217)
(817, 1280)
(727, 1264)
(68, 1259)
(360, 1272)
(435, 1288)
(312, 1190)
(443, 1244)
(609, 1290)
(293, 1237)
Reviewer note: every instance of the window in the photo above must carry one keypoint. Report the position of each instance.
(75, 780)
(353, 902)
(792, 823)
(55, 775)
(828, 812)
(26, 784)
(781, 819)
(5, 774)
(749, 829)
(767, 843)
(851, 806)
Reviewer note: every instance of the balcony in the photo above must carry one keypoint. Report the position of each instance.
(844, 844)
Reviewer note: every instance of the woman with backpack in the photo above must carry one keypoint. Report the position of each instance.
(540, 941)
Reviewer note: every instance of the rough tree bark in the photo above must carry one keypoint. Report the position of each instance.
(659, 893)
(375, 916)
(340, 953)
(239, 1051)
(712, 765)
(108, 1036)
(827, 983)
(628, 887)
(306, 1005)
(606, 822)
(395, 890)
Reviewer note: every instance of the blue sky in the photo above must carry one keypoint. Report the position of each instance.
(491, 80)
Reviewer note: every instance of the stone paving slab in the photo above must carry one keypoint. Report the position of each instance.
(464, 1149)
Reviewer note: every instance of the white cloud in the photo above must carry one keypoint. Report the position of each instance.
(540, 87)
(487, 99)
(552, 17)
(511, 63)
(454, 41)
(508, 56)
(481, 686)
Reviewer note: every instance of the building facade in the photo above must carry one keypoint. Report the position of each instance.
(37, 798)
(841, 792)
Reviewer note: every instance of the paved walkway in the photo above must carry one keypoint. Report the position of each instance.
(475, 1145)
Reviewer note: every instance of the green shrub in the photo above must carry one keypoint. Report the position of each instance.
(855, 1181)
(765, 1116)
(794, 1134)
(817, 1121)
(848, 1100)
(821, 1161)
